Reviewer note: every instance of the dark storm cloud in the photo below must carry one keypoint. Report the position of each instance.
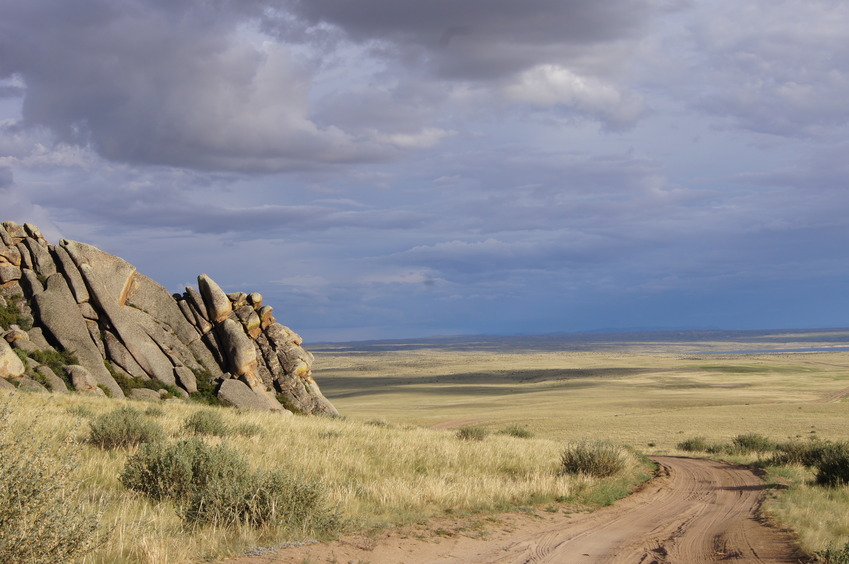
(198, 84)
(182, 84)
(482, 40)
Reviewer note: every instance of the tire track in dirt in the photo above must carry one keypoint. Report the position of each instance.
(694, 511)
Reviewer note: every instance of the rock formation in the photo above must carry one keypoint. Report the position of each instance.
(116, 332)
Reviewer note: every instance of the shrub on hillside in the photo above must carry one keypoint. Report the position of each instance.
(40, 518)
(471, 433)
(214, 485)
(163, 471)
(124, 427)
(595, 458)
(259, 499)
(207, 422)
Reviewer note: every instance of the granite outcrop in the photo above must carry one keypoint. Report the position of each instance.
(73, 317)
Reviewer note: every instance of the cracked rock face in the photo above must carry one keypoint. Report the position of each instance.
(126, 331)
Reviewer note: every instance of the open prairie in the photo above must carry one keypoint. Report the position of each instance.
(636, 389)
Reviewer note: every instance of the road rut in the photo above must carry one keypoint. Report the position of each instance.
(694, 511)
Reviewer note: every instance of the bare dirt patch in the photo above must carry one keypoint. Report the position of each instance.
(696, 510)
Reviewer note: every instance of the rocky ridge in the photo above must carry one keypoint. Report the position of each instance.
(109, 330)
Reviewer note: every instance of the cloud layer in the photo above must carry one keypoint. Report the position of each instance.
(396, 167)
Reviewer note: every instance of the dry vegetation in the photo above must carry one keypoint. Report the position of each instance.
(367, 474)
(429, 433)
(632, 393)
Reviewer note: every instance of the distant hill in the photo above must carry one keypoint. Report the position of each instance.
(706, 340)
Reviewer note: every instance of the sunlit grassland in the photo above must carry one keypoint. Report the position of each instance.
(635, 398)
(375, 473)
(649, 400)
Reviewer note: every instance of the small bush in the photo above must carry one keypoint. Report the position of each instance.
(163, 471)
(752, 442)
(124, 427)
(595, 458)
(833, 465)
(40, 517)
(57, 361)
(206, 393)
(693, 444)
(207, 422)
(517, 431)
(128, 383)
(11, 315)
(259, 499)
(833, 555)
(471, 433)
(214, 485)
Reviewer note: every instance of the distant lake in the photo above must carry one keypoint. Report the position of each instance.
(762, 351)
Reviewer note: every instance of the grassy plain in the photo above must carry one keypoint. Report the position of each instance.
(650, 394)
(395, 456)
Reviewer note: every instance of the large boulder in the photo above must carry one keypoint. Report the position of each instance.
(10, 364)
(59, 315)
(82, 380)
(218, 305)
(237, 347)
(239, 394)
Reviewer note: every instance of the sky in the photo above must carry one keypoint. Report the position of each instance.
(400, 168)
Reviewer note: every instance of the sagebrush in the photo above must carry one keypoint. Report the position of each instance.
(41, 520)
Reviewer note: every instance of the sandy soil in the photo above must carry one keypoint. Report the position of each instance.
(695, 511)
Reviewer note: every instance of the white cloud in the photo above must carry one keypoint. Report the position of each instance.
(549, 85)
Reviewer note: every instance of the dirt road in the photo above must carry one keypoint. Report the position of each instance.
(694, 511)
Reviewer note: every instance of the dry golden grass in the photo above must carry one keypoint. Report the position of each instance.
(395, 457)
(648, 399)
(376, 473)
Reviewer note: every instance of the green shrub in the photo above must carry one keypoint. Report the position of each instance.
(207, 422)
(259, 499)
(57, 361)
(128, 383)
(124, 427)
(833, 464)
(517, 431)
(753, 442)
(40, 516)
(214, 485)
(11, 315)
(694, 444)
(206, 392)
(163, 471)
(833, 555)
(471, 433)
(595, 458)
